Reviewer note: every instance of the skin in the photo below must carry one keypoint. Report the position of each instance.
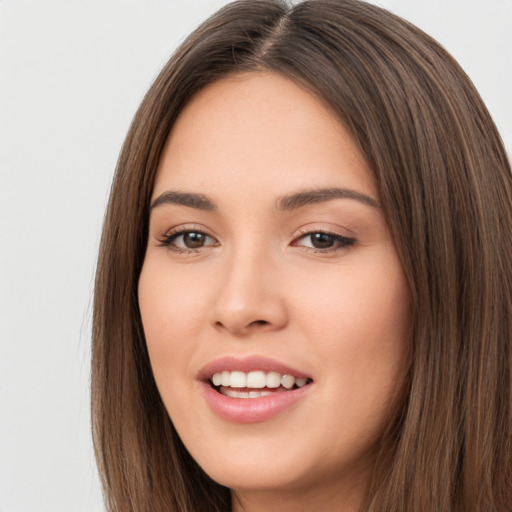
(257, 285)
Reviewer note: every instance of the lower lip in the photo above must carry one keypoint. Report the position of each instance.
(251, 410)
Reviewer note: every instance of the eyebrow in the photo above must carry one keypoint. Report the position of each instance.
(307, 197)
(199, 201)
(284, 203)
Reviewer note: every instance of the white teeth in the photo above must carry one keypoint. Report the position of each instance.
(273, 380)
(233, 393)
(301, 382)
(238, 380)
(288, 381)
(256, 380)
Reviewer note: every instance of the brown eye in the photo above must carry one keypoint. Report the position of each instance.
(193, 240)
(188, 241)
(323, 242)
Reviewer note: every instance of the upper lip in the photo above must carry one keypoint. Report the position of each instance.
(248, 364)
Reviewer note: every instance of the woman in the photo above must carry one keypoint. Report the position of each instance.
(303, 295)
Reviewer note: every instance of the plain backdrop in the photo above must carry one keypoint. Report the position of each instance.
(71, 76)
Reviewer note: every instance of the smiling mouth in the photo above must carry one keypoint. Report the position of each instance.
(255, 384)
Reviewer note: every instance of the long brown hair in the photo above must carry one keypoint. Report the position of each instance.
(446, 188)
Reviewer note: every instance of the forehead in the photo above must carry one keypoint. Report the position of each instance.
(260, 129)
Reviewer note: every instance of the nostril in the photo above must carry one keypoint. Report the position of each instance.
(259, 322)
(242, 327)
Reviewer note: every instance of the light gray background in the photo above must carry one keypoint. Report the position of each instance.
(71, 76)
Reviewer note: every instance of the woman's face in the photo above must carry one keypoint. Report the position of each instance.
(270, 270)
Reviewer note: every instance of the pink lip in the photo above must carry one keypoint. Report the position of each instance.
(249, 410)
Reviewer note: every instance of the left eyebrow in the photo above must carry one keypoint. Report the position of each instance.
(307, 197)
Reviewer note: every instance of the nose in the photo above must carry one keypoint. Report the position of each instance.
(249, 297)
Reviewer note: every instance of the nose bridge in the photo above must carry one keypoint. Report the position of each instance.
(248, 296)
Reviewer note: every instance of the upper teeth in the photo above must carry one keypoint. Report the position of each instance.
(256, 379)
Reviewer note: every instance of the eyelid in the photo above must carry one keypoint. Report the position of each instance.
(343, 242)
(166, 240)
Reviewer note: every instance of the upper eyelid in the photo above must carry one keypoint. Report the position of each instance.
(188, 228)
(324, 232)
(314, 228)
(165, 237)
(300, 233)
(168, 241)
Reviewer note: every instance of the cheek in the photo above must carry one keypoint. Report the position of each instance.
(358, 322)
(168, 310)
(358, 301)
(173, 309)
(170, 301)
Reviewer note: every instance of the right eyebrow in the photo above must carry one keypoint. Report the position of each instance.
(198, 201)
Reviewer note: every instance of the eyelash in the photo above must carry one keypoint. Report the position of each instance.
(340, 242)
(169, 239)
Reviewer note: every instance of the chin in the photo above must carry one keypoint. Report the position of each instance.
(275, 463)
(256, 476)
(252, 462)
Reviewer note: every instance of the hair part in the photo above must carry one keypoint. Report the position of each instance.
(445, 186)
